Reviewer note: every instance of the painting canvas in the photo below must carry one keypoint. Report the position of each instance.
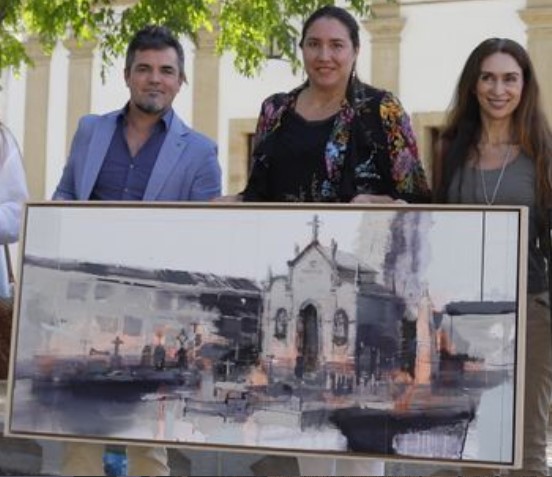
(361, 331)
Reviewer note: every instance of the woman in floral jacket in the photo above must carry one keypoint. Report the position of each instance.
(364, 152)
(334, 138)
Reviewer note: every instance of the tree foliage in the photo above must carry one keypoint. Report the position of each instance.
(248, 28)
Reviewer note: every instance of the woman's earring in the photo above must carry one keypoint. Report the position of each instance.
(353, 75)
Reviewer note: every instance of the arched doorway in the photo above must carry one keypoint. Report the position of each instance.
(307, 337)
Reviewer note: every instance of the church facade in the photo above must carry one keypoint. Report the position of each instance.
(328, 322)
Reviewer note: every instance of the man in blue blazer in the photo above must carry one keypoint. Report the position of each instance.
(186, 167)
(142, 152)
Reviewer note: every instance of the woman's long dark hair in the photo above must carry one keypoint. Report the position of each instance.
(530, 128)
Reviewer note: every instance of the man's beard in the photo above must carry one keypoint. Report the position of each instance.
(150, 108)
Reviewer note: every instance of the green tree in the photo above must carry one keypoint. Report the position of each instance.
(245, 27)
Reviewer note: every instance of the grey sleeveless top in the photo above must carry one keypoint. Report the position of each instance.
(517, 187)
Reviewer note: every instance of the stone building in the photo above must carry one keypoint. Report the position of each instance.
(328, 321)
(81, 309)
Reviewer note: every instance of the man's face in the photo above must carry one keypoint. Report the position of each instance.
(154, 80)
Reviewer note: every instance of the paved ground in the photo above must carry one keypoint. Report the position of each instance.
(27, 458)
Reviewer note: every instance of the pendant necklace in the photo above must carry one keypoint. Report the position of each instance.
(505, 162)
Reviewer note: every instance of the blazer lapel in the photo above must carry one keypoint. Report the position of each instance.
(169, 155)
(99, 143)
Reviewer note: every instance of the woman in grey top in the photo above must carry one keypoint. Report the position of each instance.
(496, 148)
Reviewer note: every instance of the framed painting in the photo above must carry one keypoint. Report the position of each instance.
(394, 332)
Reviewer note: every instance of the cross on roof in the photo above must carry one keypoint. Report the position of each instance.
(315, 223)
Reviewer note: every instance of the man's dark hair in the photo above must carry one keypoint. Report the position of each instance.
(154, 37)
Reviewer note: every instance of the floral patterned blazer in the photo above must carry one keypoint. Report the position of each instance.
(371, 148)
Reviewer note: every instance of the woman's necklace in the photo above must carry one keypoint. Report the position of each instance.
(505, 162)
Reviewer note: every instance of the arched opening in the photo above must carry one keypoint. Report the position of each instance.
(307, 337)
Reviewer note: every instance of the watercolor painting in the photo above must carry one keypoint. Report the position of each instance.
(366, 331)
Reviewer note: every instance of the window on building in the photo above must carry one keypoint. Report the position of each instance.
(436, 166)
(103, 291)
(250, 147)
(107, 324)
(77, 290)
(132, 326)
(280, 324)
(340, 328)
(184, 301)
(163, 300)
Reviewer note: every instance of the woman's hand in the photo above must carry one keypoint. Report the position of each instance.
(228, 198)
(375, 199)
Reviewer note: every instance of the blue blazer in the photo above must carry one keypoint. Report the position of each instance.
(187, 167)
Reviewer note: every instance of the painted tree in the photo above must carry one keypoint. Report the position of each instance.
(245, 27)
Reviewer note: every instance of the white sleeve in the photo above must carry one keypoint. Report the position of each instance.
(13, 190)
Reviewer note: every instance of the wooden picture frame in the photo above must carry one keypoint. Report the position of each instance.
(391, 331)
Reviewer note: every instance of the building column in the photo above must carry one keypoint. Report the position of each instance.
(538, 18)
(3, 76)
(206, 85)
(385, 27)
(36, 119)
(79, 88)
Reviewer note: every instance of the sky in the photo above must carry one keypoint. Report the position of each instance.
(233, 242)
(245, 242)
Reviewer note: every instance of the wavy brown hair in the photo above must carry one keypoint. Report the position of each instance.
(530, 128)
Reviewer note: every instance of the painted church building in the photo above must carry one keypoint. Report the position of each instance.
(327, 322)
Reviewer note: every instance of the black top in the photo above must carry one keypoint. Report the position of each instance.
(295, 162)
